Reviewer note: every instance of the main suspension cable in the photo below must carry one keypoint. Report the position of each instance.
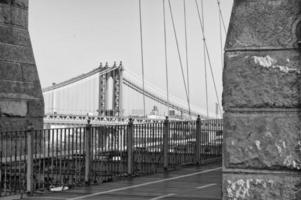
(165, 53)
(207, 53)
(179, 54)
(142, 59)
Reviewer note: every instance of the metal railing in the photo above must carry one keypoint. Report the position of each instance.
(12, 162)
(58, 157)
(34, 160)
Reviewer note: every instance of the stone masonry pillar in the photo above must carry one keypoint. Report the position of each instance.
(262, 100)
(21, 99)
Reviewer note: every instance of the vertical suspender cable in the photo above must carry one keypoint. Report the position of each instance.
(179, 54)
(53, 101)
(207, 52)
(220, 19)
(186, 52)
(88, 95)
(221, 39)
(94, 91)
(86, 104)
(142, 59)
(166, 61)
(205, 60)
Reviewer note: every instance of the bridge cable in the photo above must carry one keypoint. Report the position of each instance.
(186, 52)
(154, 88)
(142, 58)
(221, 37)
(166, 61)
(221, 16)
(207, 53)
(179, 54)
(205, 61)
(155, 97)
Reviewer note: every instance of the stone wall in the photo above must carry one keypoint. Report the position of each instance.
(21, 99)
(262, 100)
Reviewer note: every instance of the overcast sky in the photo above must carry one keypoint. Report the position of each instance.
(71, 37)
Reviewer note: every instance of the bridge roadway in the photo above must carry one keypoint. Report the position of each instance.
(202, 183)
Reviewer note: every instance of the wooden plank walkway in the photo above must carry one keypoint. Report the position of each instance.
(203, 183)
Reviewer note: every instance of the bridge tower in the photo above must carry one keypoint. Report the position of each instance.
(102, 94)
(21, 99)
(117, 76)
(262, 100)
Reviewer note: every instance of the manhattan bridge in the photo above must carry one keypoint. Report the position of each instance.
(104, 93)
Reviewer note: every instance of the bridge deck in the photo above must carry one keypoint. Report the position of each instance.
(202, 183)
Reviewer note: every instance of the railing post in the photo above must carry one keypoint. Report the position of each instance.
(29, 161)
(198, 140)
(87, 152)
(165, 143)
(130, 134)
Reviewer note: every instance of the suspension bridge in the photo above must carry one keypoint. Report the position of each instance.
(89, 94)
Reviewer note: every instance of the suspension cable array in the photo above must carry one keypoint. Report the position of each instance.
(207, 53)
(179, 54)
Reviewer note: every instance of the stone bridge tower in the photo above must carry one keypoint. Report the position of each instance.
(262, 101)
(117, 79)
(21, 99)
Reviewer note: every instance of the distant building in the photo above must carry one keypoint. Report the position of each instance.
(171, 112)
(155, 111)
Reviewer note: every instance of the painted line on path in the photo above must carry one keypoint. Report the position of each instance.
(144, 184)
(163, 196)
(206, 186)
(49, 197)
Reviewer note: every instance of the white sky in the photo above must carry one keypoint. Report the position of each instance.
(71, 37)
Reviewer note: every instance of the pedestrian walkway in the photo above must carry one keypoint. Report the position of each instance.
(191, 183)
